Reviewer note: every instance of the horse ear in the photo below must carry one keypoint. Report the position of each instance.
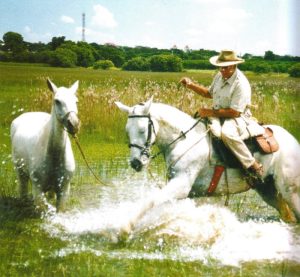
(75, 87)
(123, 107)
(51, 86)
(148, 105)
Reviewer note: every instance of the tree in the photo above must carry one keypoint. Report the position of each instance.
(64, 57)
(112, 53)
(57, 42)
(294, 71)
(84, 53)
(14, 43)
(269, 55)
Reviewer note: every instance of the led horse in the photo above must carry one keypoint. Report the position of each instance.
(41, 148)
(190, 160)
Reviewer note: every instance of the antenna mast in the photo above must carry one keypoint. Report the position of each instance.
(83, 27)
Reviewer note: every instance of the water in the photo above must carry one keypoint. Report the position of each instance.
(182, 230)
(190, 237)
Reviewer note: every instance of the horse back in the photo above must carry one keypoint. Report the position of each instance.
(28, 134)
(29, 124)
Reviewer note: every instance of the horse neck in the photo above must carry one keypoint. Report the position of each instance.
(57, 137)
(172, 122)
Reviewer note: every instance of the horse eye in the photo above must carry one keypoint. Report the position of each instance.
(142, 131)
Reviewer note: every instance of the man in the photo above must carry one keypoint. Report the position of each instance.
(231, 95)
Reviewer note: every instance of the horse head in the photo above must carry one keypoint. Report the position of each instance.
(142, 130)
(65, 106)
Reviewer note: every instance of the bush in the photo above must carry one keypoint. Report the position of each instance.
(164, 63)
(262, 68)
(137, 64)
(64, 57)
(294, 71)
(103, 64)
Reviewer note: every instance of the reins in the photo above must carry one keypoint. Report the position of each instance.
(78, 145)
(182, 135)
(85, 160)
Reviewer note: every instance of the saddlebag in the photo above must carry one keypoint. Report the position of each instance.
(267, 142)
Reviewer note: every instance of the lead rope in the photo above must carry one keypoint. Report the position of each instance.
(86, 162)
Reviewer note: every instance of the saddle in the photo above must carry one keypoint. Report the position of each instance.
(265, 144)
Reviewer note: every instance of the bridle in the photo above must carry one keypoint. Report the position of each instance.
(64, 120)
(145, 149)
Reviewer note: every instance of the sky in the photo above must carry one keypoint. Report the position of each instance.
(246, 26)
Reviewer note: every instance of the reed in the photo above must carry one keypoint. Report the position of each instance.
(28, 250)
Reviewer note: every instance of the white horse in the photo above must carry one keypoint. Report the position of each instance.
(190, 160)
(41, 148)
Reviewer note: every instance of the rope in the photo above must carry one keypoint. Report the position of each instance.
(86, 162)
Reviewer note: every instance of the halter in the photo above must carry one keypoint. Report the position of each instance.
(145, 150)
(63, 120)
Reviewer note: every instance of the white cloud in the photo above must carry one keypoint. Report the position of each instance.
(232, 14)
(210, 2)
(194, 32)
(103, 18)
(96, 36)
(150, 23)
(27, 29)
(31, 36)
(67, 19)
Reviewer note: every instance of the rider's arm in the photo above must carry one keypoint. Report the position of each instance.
(199, 89)
(225, 113)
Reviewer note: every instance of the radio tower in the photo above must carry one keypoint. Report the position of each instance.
(83, 27)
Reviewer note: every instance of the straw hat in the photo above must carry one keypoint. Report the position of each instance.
(225, 58)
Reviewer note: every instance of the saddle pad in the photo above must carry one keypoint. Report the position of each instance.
(267, 142)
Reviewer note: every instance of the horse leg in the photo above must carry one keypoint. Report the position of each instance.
(38, 196)
(23, 183)
(271, 196)
(285, 211)
(61, 196)
(177, 188)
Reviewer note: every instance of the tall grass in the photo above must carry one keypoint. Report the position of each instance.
(23, 88)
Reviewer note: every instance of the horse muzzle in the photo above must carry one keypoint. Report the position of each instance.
(72, 123)
(138, 164)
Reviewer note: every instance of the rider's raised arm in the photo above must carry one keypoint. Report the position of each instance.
(199, 89)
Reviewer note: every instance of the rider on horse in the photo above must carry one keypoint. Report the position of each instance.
(231, 95)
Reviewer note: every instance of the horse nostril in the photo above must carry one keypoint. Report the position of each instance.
(136, 164)
(73, 125)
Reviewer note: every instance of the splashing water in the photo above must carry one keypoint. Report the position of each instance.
(177, 230)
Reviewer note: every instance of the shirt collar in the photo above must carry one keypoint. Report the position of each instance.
(232, 78)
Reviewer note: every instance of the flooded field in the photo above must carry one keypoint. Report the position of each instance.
(181, 238)
(190, 237)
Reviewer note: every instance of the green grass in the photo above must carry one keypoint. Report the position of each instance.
(28, 250)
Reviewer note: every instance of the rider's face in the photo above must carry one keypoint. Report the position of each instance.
(227, 71)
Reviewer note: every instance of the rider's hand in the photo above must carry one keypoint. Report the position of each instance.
(186, 81)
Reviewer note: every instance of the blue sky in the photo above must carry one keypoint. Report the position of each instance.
(247, 26)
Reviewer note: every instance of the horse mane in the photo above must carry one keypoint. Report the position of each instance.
(172, 116)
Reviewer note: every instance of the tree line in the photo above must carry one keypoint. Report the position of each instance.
(66, 53)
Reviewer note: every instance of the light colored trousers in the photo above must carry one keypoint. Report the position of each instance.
(233, 134)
